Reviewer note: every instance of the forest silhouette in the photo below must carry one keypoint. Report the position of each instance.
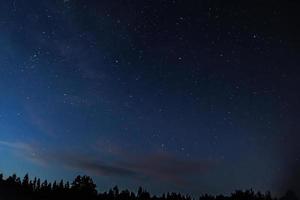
(83, 187)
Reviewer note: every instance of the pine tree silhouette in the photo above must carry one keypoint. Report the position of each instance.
(84, 188)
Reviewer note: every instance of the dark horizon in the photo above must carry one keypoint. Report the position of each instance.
(83, 186)
(173, 95)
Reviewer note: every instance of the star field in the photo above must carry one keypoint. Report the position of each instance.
(200, 95)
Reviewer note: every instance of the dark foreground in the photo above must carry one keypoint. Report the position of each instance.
(83, 187)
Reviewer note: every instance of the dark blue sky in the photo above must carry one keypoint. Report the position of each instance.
(174, 95)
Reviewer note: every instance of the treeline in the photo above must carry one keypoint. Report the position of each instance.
(83, 187)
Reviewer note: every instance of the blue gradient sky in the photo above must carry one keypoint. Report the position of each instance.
(198, 96)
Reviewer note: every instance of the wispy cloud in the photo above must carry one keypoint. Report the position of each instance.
(153, 166)
(16, 145)
(166, 167)
(99, 168)
(65, 159)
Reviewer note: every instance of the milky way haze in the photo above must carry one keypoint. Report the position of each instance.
(173, 95)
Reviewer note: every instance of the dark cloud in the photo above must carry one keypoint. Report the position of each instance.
(166, 167)
(99, 168)
(85, 163)
(156, 166)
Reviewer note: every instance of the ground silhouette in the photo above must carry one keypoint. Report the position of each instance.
(83, 187)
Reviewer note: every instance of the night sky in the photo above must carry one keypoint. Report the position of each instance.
(173, 95)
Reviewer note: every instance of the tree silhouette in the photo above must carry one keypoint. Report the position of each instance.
(25, 181)
(83, 187)
(289, 195)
